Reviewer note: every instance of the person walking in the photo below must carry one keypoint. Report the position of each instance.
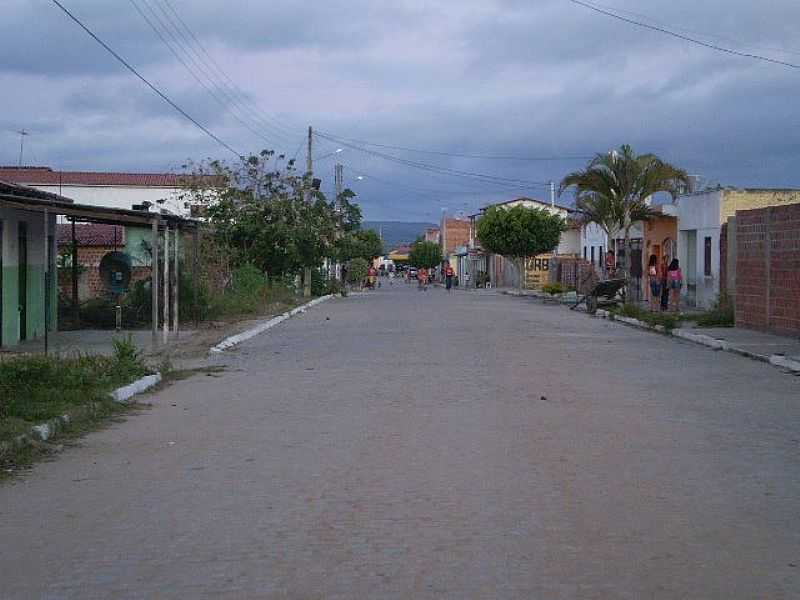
(422, 279)
(675, 279)
(448, 277)
(654, 278)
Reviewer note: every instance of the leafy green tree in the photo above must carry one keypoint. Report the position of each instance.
(425, 255)
(613, 189)
(257, 212)
(519, 232)
(357, 271)
(363, 243)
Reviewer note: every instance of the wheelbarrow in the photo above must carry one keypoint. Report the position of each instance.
(610, 292)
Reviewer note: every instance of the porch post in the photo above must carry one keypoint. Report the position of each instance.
(195, 308)
(165, 338)
(154, 280)
(177, 285)
(76, 314)
(46, 265)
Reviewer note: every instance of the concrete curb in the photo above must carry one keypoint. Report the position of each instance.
(124, 393)
(233, 340)
(775, 360)
(44, 431)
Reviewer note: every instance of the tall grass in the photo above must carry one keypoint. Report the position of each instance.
(36, 388)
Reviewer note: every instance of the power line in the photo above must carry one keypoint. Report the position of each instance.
(235, 91)
(481, 177)
(186, 65)
(160, 94)
(686, 38)
(699, 33)
(458, 155)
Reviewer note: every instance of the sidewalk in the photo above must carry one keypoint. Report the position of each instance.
(751, 343)
(780, 351)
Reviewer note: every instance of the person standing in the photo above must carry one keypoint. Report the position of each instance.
(664, 284)
(675, 279)
(448, 277)
(611, 265)
(654, 279)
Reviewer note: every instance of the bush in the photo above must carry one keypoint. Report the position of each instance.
(721, 314)
(668, 321)
(553, 288)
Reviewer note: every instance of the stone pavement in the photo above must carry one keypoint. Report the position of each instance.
(756, 342)
(405, 444)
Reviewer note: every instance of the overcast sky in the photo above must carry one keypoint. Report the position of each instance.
(527, 78)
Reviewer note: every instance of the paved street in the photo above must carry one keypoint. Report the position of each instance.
(424, 445)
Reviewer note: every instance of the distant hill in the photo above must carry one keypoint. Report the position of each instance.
(396, 233)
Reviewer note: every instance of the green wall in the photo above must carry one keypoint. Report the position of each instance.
(35, 311)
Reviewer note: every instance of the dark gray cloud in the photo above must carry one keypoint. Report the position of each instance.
(507, 77)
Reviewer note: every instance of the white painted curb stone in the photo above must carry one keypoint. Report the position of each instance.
(233, 340)
(786, 363)
(125, 393)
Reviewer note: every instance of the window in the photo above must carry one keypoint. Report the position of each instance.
(584, 253)
(707, 258)
(600, 257)
(592, 254)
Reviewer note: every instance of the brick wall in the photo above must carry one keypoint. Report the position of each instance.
(768, 269)
(90, 283)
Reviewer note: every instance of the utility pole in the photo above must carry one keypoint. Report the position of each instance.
(22, 133)
(552, 194)
(307, 199)
(338, 177)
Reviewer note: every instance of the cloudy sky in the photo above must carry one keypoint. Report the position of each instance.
(503, 78)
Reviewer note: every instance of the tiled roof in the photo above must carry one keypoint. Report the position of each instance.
(47, 176)
(91, 234)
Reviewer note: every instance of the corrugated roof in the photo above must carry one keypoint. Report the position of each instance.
(47, 176)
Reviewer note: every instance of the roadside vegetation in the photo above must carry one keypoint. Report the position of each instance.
(267, 236)
(36, 388)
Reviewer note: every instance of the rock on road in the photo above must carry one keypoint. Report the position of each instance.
(407, 444)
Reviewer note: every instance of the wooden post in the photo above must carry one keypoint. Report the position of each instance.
(177, 284)
(76, 314)
(165, 325)
(154, 281)
(195, 306)
(46, 266)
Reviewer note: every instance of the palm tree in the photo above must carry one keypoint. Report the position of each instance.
(613, 190)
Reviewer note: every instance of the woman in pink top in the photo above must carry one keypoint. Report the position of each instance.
(675, 282)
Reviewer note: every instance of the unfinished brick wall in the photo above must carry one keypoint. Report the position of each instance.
(768, 269)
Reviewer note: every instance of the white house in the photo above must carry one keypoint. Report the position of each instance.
(593, 243)
(700, 219)
(107, 189)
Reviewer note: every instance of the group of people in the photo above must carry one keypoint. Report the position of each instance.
(424, 277)
(666, 281)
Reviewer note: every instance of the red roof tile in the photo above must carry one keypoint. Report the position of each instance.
(47, 176)
(91, 234)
